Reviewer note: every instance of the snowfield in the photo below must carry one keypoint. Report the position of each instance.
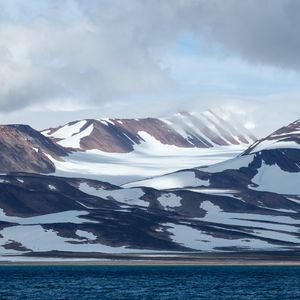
(144, 162)
(171, 181)
(273, 179)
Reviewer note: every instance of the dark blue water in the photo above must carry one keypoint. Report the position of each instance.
(78, 282)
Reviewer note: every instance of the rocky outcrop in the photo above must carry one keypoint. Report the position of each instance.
(24, 149)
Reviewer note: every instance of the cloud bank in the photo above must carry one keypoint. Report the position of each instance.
(76, 54)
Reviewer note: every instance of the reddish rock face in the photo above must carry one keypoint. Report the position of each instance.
(186, 130)
(120, 137)
(24, 149)
(286, 134)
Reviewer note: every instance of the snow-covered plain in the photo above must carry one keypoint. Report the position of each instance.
(148, 159)
(186, 178)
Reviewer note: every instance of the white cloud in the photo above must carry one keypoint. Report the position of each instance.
(124, 58)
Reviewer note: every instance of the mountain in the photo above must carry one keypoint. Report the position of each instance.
(119, 150)
(270, 164)
(185, 130)
(24, 149)
(286, 137)
(245, 204)
(47, 216)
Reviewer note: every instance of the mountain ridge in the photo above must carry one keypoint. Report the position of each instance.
(286, 136)
(247, 203)
(186, 130)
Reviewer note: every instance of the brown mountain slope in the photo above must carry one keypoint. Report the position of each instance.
(24, 149)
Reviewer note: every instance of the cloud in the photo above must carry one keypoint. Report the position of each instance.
(265, 32)
(45, 59)
(118, 55)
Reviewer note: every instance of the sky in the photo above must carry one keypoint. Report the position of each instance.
(73, 59)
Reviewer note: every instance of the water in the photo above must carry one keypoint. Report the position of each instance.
(158, 282)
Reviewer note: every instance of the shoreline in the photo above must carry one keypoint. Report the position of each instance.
(151, 263)
(55, 258)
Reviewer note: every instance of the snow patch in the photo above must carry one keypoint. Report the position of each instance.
(127, 196)
(85, 234)
(273, 179)
(169, 200)
(67, 130)
(74, 140)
